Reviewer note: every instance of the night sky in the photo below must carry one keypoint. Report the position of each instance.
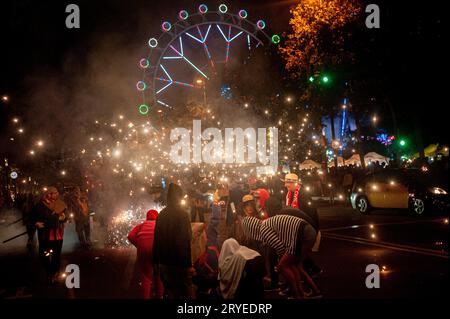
(39, 53)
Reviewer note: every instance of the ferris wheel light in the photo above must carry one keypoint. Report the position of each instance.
(141, 86)
(223, 8)
(276, 39)
(203, 8)
(153, 43)
(144, 63)
(243, 14)
(260, 24)
(183, 15)
(144, 109)
(166, 26)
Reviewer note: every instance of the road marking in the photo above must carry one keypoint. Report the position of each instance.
(382, 224)
(406, 248)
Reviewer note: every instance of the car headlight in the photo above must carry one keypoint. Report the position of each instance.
(438, 191)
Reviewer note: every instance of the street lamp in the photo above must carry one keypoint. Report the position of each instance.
(5, 98)
(203, 84)
(374, 119)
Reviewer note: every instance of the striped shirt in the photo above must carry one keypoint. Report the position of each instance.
(280, 232)
(252, 228)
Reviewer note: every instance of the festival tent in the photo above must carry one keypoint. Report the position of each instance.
(340, 161)
(353, 160)
(432, 150)
(309, 164)
(374, 157)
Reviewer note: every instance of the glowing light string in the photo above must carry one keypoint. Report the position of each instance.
(228, 39)
(163, 104)
(182, 56)
(170, 81)
(202, 41)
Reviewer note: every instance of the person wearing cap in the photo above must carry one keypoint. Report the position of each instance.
(261, 195)
(49, 218)
(292, 238)
(296, 199)
(251, 225)
(293, 185)
(142, 237)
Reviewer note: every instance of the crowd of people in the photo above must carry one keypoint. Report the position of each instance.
(249, 239)
(254, 244)
(46, 214)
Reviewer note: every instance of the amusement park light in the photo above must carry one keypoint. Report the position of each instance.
(223, 8)
(311, 79)
(402, 142)
(166, 26)
(153, 43)
(141, 86)
(243, 14)
(325, 79)
(261, 24)
(144, 109)
(144, 63)
(275, 39)
(183, 15)
(203, 8)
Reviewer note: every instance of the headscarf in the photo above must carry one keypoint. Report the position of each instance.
(232, 260)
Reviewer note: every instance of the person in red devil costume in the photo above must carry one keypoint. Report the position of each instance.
(142, 237)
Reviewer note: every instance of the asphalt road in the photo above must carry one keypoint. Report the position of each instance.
(411, 252)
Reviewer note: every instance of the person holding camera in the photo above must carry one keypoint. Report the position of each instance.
(49, 217)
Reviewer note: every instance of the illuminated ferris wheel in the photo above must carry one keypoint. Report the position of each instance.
(192, 54)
